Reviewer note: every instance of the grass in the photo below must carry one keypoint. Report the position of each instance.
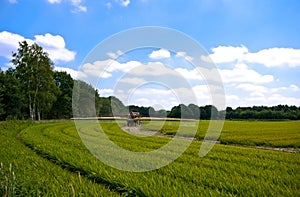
(35, 175)
(224, 171)
(252, 133)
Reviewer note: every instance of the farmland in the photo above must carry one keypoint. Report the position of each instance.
(49, 159)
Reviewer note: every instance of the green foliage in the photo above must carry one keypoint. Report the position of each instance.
(12, 99)
(85, 100)
(2, 111)
(111, 106)
(263, 112)
(35, 72)
(62, 107)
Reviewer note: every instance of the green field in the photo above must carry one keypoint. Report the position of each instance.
(252, 133)
(49, 159)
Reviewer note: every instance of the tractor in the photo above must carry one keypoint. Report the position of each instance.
(133, 119)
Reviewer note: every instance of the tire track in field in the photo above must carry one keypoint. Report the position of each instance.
(91, 175)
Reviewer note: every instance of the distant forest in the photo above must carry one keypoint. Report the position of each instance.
(33, 90)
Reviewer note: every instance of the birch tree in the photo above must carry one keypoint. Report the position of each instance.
(35, 71)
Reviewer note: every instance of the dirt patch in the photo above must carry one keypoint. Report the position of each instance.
(289, 150)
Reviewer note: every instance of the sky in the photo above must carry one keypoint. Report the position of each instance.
(253, 44)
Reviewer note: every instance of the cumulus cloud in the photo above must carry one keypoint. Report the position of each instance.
(241, 73)
(104, 92)
(272, 57)
(200, 74)
(184, 55)
(224, 54)
(189, 74)
(255, 89)
(9, 43)
(72, 72)
(104, 68)
(160, 54)
(249, 94)
(53, 45)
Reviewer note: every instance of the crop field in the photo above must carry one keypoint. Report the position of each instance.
(49, 159)
(252, 133)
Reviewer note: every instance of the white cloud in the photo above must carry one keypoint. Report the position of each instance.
(96, 69)
(123, 67)
(50, 41)
(271, 100)
(9, 43)
(61, 54)
(160, 54)
(77, 4)
(115, 55)
(294, 88)
(123, 3)
(54, 1)
(189, 74)
(105, 92)
(166, 98)
(133, 80)
(249, 94)
(153, 69)
(72, 72)
(78, 7)
(256, 89)
(184, 55)
(260, 89)
(271, 57)
(104, 68)
(200, 74)
(275, 57)
(223, 54)
(241, 73)
(53, 45)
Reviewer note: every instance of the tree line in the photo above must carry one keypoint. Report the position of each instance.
(33, 90)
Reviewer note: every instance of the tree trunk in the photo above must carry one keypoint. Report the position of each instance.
(31, 111)
(39, 114)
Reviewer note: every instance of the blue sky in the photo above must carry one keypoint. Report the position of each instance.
(254, 44)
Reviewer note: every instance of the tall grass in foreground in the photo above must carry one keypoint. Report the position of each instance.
(225, 171)
(7, 181)
(25, 173)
